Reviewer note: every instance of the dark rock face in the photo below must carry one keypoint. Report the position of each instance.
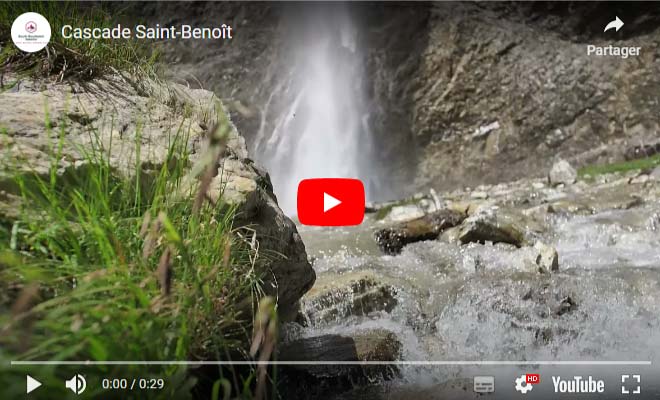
(314, 381)
(508, 93)
(462, 93)
(642, 151)
(349, 294)
(392, 240)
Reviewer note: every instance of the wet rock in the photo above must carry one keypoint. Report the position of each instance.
(562, 173)
(365, 345)
(498, 225)
(406, 209)
(309, 381)
(565, 306)
(404, 212)
(569, 207)
(547, 258)
(391, 240)
(450, 235)
(356, 293)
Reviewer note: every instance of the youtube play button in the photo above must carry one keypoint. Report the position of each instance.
(330, 202)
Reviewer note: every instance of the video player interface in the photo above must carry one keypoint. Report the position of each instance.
(329, 200)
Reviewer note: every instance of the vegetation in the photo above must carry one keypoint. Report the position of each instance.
(72, 58)
(642, 163)
(102, 266)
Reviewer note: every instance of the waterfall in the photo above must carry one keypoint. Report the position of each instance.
(317, 121)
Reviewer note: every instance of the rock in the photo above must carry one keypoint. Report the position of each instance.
(538, 185)
(391, 240)
(566, 305)
(562, 172)
(655, 174)
(352, 293)
(366, 345)
(450, 235)
(479, 195)
(642, 151)
(404, 212)
(547, 258)
(110, 112)
(499, 225)
(639, 179)
(569, 207)
(311, 381)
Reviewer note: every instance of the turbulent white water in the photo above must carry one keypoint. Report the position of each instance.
(450, 310)
(320, 108)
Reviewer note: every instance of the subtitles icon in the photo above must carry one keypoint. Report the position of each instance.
(484, 384)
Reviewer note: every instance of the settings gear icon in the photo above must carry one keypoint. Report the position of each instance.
(522, 385)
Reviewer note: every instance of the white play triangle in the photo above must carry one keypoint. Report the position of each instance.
(32, 384)
(329, 202)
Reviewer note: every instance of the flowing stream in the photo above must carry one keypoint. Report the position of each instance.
(474, 302)
(454, 303)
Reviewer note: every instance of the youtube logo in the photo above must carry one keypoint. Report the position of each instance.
(330, 202)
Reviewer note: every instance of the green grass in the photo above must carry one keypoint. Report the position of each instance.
(643, 163)
(106, 266)
(72, 58)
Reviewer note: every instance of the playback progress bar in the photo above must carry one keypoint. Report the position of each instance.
(347, 363)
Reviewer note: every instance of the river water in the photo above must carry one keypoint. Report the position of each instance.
(477, 302)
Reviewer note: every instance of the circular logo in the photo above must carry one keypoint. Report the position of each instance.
(30, 32)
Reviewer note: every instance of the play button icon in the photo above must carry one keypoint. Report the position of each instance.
(330, 202)
(31, 384)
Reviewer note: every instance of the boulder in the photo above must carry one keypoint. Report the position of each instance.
(499, 225)
(391, 240)
(547, 258)
(122, 115)
(354, 293)
(562, 173)
(312, 381)
(365, 345)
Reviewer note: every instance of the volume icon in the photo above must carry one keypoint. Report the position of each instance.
(77, 384)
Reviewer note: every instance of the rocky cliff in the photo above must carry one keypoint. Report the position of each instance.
(462, 93)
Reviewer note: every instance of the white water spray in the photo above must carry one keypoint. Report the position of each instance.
(321, 127)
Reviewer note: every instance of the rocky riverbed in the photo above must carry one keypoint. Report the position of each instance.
(536, 269)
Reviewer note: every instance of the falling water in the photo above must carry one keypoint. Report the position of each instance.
(321, 127)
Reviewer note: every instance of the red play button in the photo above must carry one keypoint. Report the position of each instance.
(330, 202)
